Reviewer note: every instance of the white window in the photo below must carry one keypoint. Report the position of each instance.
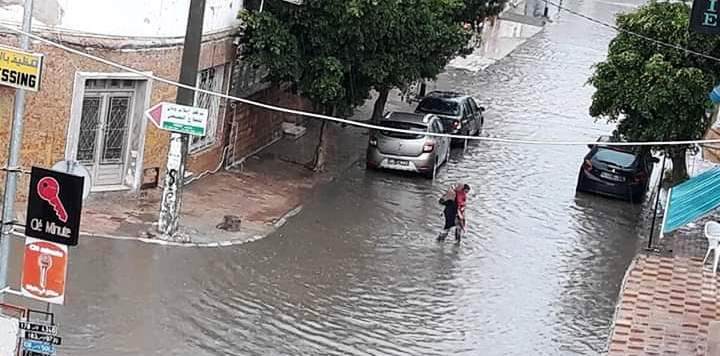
(209, 79)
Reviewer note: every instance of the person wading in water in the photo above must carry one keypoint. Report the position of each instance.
(454, 201)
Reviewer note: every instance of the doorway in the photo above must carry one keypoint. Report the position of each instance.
(107, 131)
(102, 143)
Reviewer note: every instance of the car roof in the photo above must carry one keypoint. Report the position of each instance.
(450, 95)
(628, 149)
(409, 117)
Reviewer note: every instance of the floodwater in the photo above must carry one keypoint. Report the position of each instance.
(359, 272)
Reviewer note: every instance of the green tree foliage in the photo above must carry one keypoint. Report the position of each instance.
(653, 92)
(415, 41)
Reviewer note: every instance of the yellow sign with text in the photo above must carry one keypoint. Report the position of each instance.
(20, 69)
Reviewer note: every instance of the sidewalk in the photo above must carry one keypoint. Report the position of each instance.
(263, 192)
(666, 306)
(498, 41)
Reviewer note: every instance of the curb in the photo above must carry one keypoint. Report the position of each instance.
(629, 269)
(283, 219)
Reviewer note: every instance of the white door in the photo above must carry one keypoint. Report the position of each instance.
(103, 138)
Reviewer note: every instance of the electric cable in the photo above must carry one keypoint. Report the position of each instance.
(341, 120)
(632, 33)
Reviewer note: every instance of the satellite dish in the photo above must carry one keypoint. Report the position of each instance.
(77, 169)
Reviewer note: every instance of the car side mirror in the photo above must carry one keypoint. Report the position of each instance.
(655, 160)
(482, 109)
(591, 146)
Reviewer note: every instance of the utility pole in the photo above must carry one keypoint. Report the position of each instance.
(13, 163)
(177, 154)
(657, 202)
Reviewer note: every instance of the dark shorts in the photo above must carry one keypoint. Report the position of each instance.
(450, 213)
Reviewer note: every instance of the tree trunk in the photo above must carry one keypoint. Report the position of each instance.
(679, 171)
(321, 148)
(379, 108)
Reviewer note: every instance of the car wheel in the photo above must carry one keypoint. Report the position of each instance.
(431, 173)
(479, 129)
(637, 198)
(580, 187)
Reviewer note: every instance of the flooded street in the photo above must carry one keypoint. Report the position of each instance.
(359, 272)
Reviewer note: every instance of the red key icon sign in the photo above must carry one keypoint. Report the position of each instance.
(48, 190)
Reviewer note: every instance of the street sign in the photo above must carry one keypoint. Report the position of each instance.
(77, 169)
(51, 339)
(38, 327)
(44, 274)
(38, 346)
(54, 206)
(20, 69)
(704, 17)
(179, 118)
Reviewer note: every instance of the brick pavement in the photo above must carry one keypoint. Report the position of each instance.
(666, 305)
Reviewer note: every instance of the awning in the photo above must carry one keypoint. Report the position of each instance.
(692, 200)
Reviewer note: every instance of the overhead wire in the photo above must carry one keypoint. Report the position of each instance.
(337, 119)
(633, 33)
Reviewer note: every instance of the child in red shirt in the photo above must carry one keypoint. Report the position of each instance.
(461, 201)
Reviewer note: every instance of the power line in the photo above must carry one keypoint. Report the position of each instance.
(632, 33)
(341, 120)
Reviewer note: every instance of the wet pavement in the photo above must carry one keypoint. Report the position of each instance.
(359, 272)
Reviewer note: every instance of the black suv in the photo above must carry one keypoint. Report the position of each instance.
(459, 113)
(617, 171)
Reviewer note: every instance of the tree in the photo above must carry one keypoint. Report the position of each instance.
(336, 51)
(423, 36)
(415, 41)
(310, 46)
(653, 92)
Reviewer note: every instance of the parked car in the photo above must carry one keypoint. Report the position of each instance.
(616, 171)
(460, 113)
(413, 152)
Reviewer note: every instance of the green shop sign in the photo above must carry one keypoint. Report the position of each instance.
(705, 17)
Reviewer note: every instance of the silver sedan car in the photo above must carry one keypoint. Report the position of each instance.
(412, 152)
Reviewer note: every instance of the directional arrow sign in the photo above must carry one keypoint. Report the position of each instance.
(179, 118)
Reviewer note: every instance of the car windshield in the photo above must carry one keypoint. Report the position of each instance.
(439, 106)
(614, 157)
(403, 126)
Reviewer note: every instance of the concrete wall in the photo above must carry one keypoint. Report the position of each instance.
(126, 18)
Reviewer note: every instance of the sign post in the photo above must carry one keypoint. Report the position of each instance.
(16, 132)
(168, 220)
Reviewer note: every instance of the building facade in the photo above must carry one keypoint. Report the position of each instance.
(94, 113)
